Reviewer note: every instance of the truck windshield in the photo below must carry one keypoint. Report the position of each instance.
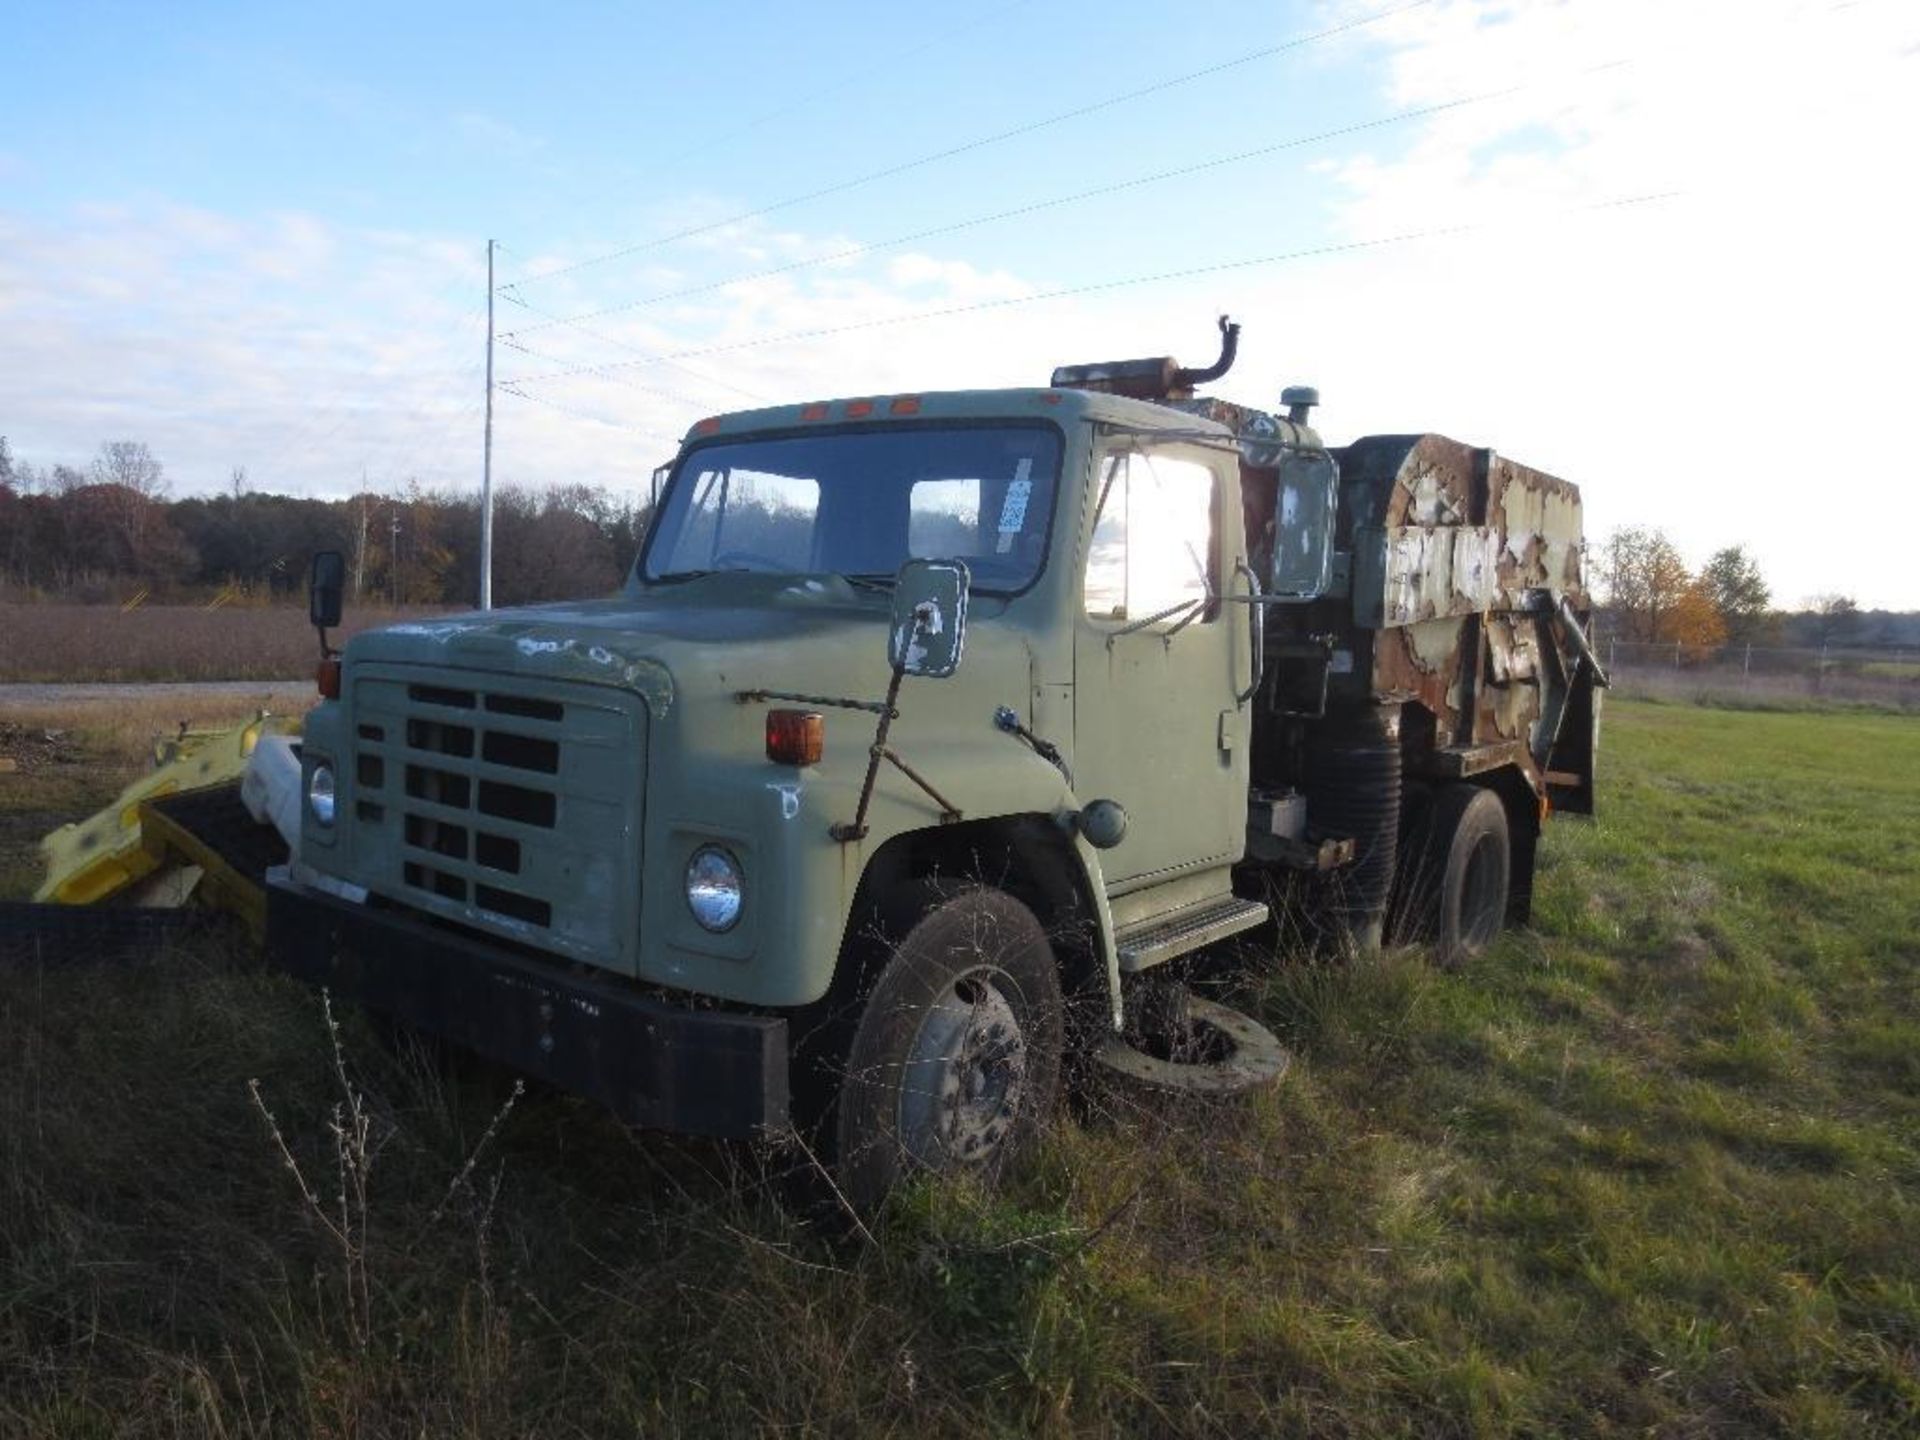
(860, 502)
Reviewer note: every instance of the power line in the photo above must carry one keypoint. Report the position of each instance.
(408, 468)
(800, 102)
(509, 339)
(507, 389)
(697, 406)
(315, 433)
(980, 143)
(672, 395)
(1312, 252)
(853, 252)
(971, 222)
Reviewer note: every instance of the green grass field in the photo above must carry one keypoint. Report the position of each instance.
(1651, 1168)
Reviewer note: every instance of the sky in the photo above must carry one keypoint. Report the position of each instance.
(1662, 248)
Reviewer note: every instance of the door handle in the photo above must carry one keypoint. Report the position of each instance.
(1258, 629)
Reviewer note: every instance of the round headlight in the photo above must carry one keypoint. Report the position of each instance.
(713, 888)
(320, 794)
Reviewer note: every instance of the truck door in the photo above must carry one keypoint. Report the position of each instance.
(1159, 660)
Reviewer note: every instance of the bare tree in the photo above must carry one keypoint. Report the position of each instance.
(1835, 617)
(130, 465)
(136, 485)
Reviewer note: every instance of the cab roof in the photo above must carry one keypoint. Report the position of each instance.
(1060, 405)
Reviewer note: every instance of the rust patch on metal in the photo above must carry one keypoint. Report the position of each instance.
(1459, 557)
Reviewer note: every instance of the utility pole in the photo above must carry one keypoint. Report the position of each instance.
(486, 463)
(360, 539)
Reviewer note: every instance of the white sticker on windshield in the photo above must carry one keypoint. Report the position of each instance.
(1013, 510)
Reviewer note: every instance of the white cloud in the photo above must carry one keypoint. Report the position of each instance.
(312, 353)
(1729, 363)
(298, 350)
(961, 282)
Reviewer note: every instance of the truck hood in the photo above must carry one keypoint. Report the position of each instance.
(731, 631)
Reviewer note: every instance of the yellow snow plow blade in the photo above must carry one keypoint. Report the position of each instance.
(99, 857)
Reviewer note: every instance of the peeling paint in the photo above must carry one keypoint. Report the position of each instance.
(441, 631)
(1454, 550)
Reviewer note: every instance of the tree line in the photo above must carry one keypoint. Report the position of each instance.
(111, 530)
(1650, 596)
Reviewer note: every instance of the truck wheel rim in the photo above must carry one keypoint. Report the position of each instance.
(965, 1076)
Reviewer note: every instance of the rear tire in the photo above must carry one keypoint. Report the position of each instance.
(955, 1063)
(1457, 897)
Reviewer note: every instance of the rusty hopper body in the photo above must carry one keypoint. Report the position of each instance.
(1447, 643)
(1461, 561)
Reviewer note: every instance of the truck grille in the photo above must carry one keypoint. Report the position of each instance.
(509, 811)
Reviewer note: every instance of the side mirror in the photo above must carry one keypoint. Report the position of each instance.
(929, 631)
(326, 585)
(1304, 502)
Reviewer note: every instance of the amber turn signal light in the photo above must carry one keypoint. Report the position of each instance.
(795, 737)
(326, 678)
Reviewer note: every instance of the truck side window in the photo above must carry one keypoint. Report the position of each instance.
(1153, 543)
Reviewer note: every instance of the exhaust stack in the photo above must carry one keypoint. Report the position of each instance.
(1160, 377)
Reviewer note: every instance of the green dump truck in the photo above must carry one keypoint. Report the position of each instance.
(928, 735)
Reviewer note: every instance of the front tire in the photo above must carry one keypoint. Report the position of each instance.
(955, 1064)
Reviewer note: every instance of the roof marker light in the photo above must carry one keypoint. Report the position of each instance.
(905, 405)
(707, 426)
(815, 411)
(859, 409)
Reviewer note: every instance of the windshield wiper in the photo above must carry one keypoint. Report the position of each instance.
(881, 583)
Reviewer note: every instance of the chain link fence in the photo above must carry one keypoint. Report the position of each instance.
(1764, 674)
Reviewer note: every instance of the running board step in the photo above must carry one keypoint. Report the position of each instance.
(1162, 937)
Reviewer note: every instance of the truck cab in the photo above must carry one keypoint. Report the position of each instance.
(925, 728)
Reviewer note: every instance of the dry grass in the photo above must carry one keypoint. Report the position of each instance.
(55, 643)
(1879, 686)
(116, 732)
(71, 758)
(1652, 1168)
